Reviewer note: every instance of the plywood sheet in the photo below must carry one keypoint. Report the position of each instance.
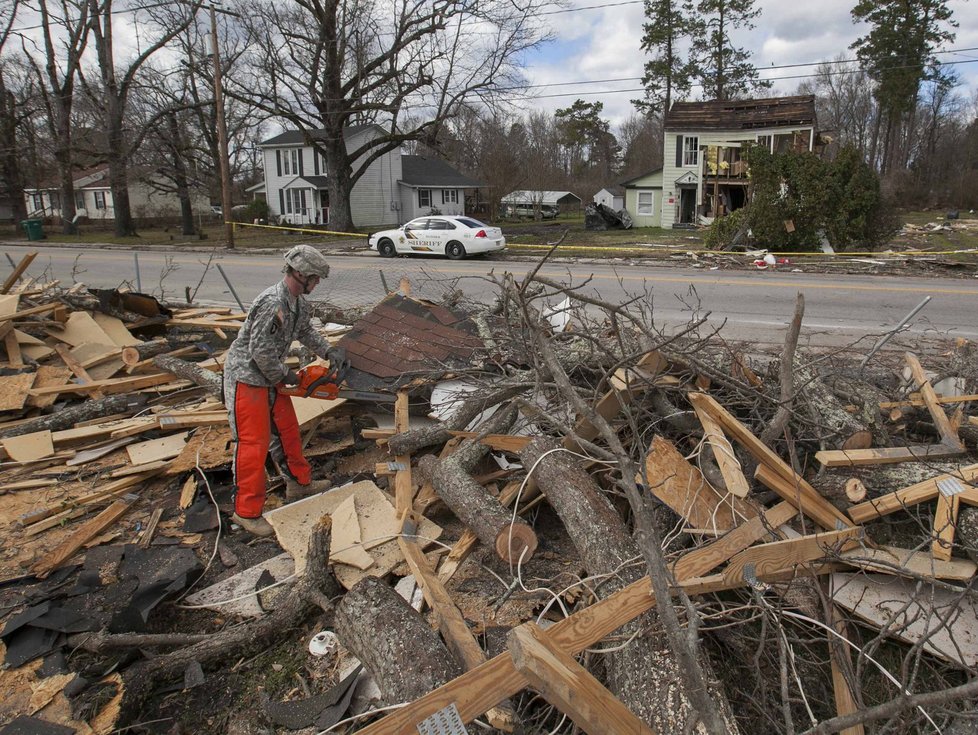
(28, 447)
(92, 352)
(310, 409)
(947, 620)
(13, 390)
(8, 304)
(344, 542)
(114, 327)
(293, 525)
(165, 447)
(32, 347)
(48, 375)
(210, 446)
(81, 328)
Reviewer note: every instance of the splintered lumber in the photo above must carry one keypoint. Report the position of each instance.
(191, 371)
(112, 386)
(395, 643)
(886, 455)
(683, 488)
(605, 546)
(476, 691)
(730, 469)
(807, 497)
(920, 492)
(569, 686)
(945, 522)
(765, 558)
(107, 491)
(448, 617)
(795, 493)
(403, 487)
(909, 563)
(841, 660)
(948, 434)
(77, 369)
(85, 533)
(22, 266)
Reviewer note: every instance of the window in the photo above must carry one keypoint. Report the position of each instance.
(417, 224)
(645, 202)
(449, 196)
(37, 202)
(691, 150)
(764, 141)
(424, 197)
(79, 200)
(440, 224)
(322, 163)
(295, 201)
(290, 162)
(99, 199)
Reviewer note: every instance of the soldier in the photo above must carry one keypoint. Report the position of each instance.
(255, 366)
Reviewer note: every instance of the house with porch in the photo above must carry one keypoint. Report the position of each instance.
(394, 189)
(705, 171)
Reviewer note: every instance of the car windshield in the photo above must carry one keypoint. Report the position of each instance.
(469, 222)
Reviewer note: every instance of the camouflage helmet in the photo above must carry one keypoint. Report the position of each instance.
(308, 261)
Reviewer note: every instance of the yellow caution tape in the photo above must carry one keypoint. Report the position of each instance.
(704, 251)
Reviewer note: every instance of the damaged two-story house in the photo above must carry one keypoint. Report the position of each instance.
(705, 172)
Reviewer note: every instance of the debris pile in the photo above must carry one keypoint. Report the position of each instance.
(599, 216)
(556, 523)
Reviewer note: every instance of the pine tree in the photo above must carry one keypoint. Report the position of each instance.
(724, 70)
(668, 72)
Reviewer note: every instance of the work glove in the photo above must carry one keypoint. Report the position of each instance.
(338, 363)
(291, 378)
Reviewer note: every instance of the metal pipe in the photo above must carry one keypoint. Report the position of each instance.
(230, 287)
(139, 281)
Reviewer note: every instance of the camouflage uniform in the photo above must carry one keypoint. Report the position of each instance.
(255, 365)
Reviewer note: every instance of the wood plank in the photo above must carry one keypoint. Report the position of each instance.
(111, 489)
(476, 691)
(166, 447)
(730, 469)
(210, 323)
(886, 455)
(909, 563)
(765, 558)
(683, 488)
(76, 367)
(570, 687)
(14, 356)
(794, 495)
(907, 497)
(117, 385)
(32, 311)
(448, 617)
(29, 447)
(945, 522)
(85, 533)
(171, 421)
(22, 266)
(840, 658)
(948, 434)
(915, 401)
(146, 537)
(403, 487)
(28, 484)
(812, 503)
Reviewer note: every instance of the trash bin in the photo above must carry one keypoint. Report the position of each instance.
(34, 228)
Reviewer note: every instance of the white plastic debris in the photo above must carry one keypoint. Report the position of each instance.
(324, 643)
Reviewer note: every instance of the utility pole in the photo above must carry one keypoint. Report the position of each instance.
(222, 134)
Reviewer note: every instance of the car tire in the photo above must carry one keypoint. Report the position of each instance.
(386, 248)
(455, 250)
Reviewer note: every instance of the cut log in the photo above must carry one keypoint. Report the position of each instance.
(855, 490)
(191, 371)
(86, 411)
(135, 354)
(397, 646)
(646, 664)
(475, 507)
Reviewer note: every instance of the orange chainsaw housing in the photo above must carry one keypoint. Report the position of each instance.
(314, 382)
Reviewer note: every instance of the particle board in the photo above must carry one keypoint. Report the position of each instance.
(48, 375)
(293, 524)
(29, 447)
(946, 621)
(13, 390)
(209, 447)
(165, 447)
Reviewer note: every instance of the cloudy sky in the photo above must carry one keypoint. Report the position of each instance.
(602, 43)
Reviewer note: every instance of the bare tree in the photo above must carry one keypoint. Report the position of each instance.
(327, 66)
(11, 113)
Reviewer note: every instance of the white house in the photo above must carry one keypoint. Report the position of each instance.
(705, 172)
(612, 197)
(93, 199)
(393, 189)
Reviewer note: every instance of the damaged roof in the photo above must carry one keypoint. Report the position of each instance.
(772, 112)
(401, 336)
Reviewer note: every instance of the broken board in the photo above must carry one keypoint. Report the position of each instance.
(81, 328)
(947, 620)
(28, 447)
(293, 524)
(310, 409)
(209, 447)
(165, 447)
(223, 595)
(116, 330)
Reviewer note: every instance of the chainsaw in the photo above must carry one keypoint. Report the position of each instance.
(319, 381)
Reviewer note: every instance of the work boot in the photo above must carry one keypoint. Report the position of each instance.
(296, 491)
(255, 526)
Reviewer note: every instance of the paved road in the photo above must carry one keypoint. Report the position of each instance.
(755, 304)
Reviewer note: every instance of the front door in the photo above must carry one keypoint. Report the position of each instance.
(687, 204)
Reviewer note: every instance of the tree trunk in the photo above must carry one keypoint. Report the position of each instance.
(85, 411)
(134, 354)
(403, 653)
(487, 518)
(644, 674)
(189, 371)
(180, 178)
(10, 159)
